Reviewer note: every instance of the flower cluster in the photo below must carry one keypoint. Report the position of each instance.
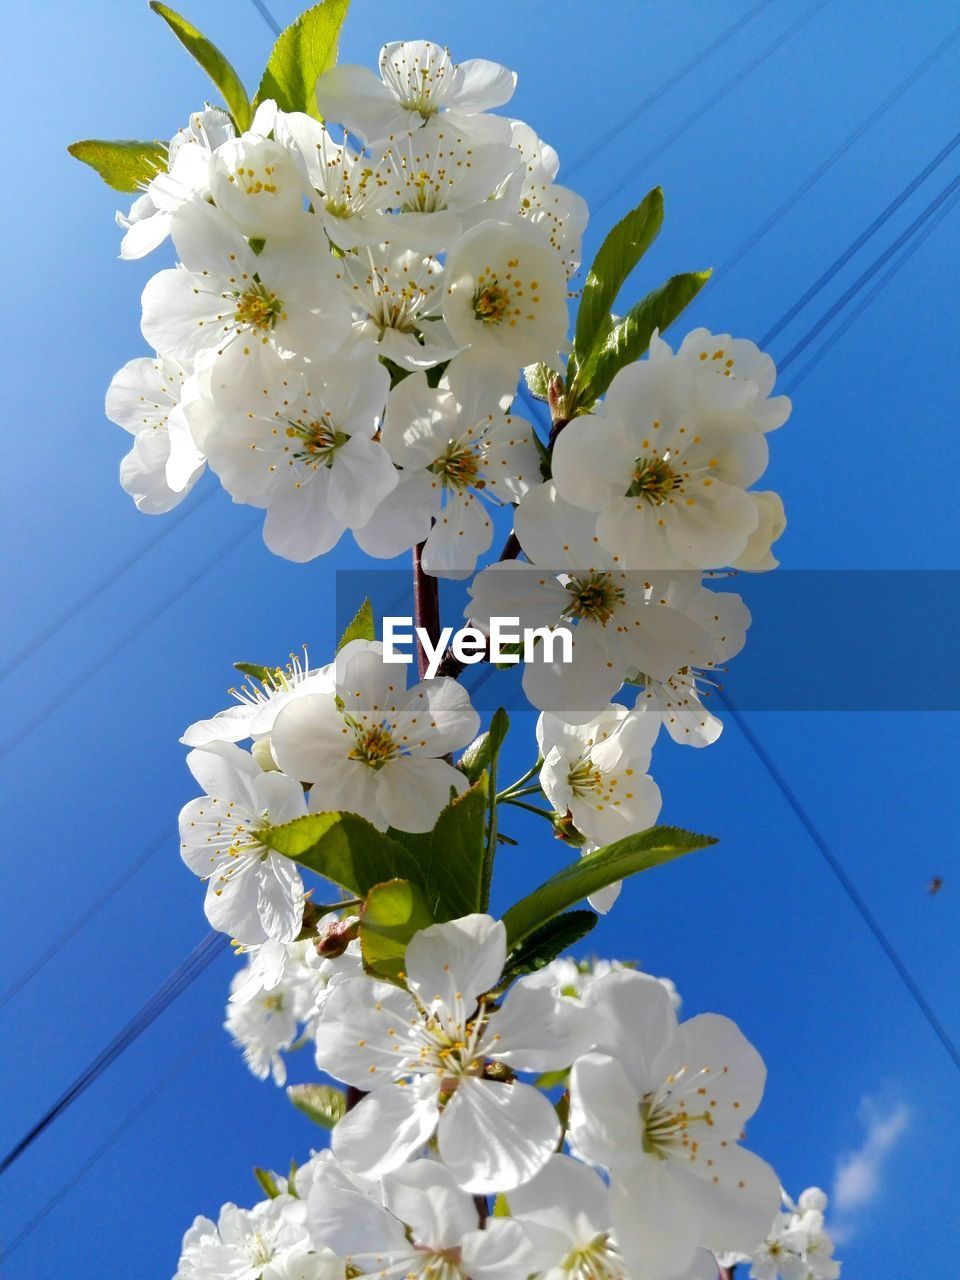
(414, 234)
(361, 279)
(798, 1246)
(449, 1069)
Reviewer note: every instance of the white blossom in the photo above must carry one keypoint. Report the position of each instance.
(662, 1105)
(241, 313)
(256, 183)
(620, 623)
(309, 459)
(146, 398)
(186, 177)
(376, 748)
(425, 1228)
(258, 703)
(243, 1242)
(396, 294)
(505, 293)
(669, 485)
(252, 893)
(458, 451)
(433, 1058)
(731, 380)
(351, 190)
(597, 772)
(417, 81)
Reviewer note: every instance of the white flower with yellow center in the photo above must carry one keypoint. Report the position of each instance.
(505, 294)
(425, 1229)
(258, 703)
(240, 313)
(533, 194)
(442, 181)
(679, 700)
(256, 183)
(396, 298)
(252, 893)
(731, 379)
(252, 1244)
(565, 1211)
(263, 1028)
(187, 177)
(597, 772)
(310, 459)
(459, 451)
(418, 80)
(146, 398)
(662, 1105)
(440, 1058)
(351, 190)
(669, 489)
(376, 748)
(619, 622)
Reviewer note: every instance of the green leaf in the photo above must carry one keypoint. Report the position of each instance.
(501, 1206)
(267, 676)
(268, 1182)
(321, 1103)
(363, 626)
(213, 62)
(594, 872)
(124, 165)
(553, 1079)
(619, 254)
(546, 943)
(538, 378)
(482, 752)
(302, 53)
(344, 848)
(391, 915)
(449, 860)
(630, 337)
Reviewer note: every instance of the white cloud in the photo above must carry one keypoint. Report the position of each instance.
(857, 1181)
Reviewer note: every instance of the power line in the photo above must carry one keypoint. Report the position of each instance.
(267, 16)
(73, 929)
(767, 52)
(850, 140)
(663, 88)
(859, 241)
(213, 945)
(171, 522)
(112, 1137)
(836, 867)
(849, 320)
(97, 665)
(865, 276)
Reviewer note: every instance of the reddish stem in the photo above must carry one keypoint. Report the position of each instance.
(426, 607)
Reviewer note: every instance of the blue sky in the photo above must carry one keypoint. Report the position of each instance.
(756, 928)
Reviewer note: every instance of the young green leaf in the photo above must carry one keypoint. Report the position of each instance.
(629, 337)
(485, 749)
(125, 165)
(321, 1103)
(449, 860)
(538, 378)
(613, 862)
(213, 62)
(619, 254)
(546, 943)
(267, 676)
(363, 626)
(267, 1181)
(391, 915)
(344, 848)
(302, 53)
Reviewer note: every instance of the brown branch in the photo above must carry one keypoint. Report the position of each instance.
(426, 607)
